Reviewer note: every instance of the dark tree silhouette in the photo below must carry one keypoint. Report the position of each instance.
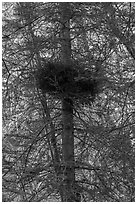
(68, 101)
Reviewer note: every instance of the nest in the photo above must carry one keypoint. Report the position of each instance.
(62, 80)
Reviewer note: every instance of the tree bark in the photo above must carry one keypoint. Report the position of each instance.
(69, 194)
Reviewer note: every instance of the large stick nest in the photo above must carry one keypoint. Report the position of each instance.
(62, 80)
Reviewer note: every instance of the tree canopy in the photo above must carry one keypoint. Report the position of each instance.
(102, 37)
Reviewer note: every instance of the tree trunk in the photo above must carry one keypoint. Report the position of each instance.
(69, 194)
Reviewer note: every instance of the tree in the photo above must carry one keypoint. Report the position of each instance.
(67, 112)
(62, 139)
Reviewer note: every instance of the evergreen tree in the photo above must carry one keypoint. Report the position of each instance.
(68, 101)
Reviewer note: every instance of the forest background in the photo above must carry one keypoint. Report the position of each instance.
(64, 141)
